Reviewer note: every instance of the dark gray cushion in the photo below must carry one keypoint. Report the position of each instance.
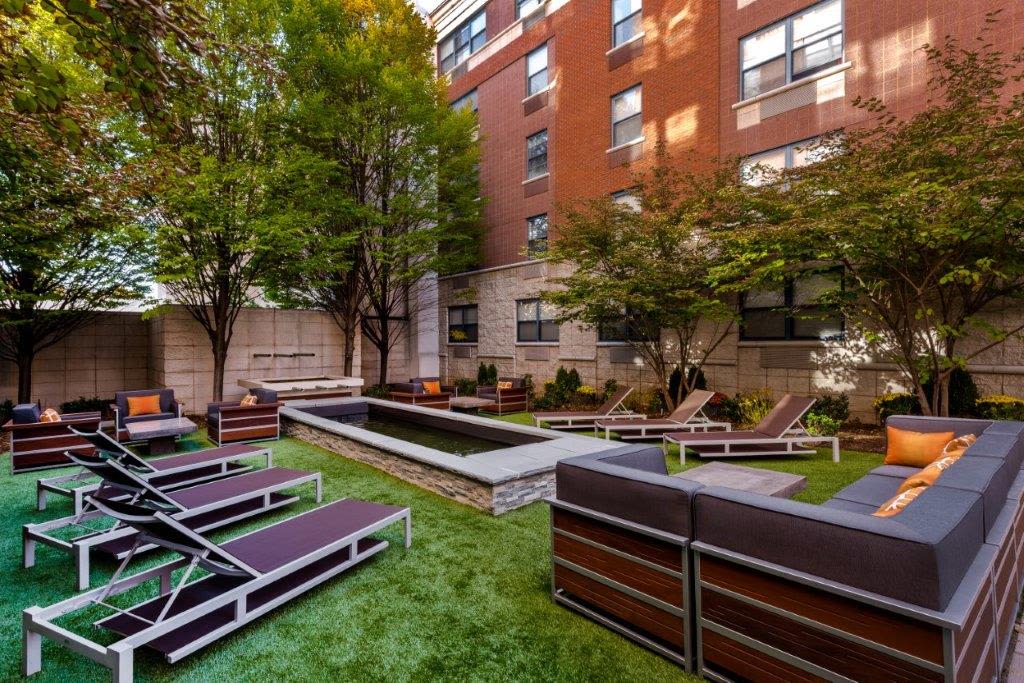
(1016, 491)
(850, 506)
(918, 556)
(623, 483)
(1003, 446)
(901, 471)
(872, 489)
(25, 413)
(990, 477)
(264, 395)
(919, 423)
(143, 418)
(167, 404)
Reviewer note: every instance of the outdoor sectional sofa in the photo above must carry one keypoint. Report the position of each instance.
(169, 408)
(231, 422)
(39, 445)
(413, 392)
(741, 586)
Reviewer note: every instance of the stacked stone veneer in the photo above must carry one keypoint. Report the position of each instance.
(494, 498)
(807, 368)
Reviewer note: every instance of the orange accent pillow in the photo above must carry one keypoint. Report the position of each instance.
(143, 405)
(432, 388)
(248, 401)
(49, 415)
(914, 449)
(929, 475)
(899, 502)
(504, 385)
(958, 446)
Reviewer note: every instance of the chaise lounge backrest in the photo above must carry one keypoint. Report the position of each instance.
(784, 415)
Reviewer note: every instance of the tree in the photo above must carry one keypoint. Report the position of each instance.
(924, 214)
(370, 102)
(223, 223)
(645, 270)
(70, 244)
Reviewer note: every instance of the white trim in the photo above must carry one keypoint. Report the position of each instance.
(517, 264)
(542, 176)
(625, 43)
(795, 84)
(624, 145)
(546, 88)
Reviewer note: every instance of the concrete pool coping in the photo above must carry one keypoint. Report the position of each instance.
(491, 467)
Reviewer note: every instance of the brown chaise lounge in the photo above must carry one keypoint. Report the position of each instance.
(167, 474)
(779, 433)
(688, 416)
(611, 409)
(246, 577)
(205, 506)
(39, 445)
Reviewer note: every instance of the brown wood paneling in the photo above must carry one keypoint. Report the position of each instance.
(975, 643)
(666, 627)
(653, 550)
(901, 633)
(828, 651)
(63, 441)
(638, 577)
(48, 459)
(739, 662)
(253, 411)
(249, 434)
(979, 613)
(259, 421)
(979, 667)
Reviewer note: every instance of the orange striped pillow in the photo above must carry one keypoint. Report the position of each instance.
(899, 502)
(49, 415)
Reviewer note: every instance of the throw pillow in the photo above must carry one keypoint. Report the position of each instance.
(914, 449)
(143, 405)
(929, 475)
(248, 401)
(959, 445)
(504, 385)
(432, 388)
(899, 502)
(49, 415)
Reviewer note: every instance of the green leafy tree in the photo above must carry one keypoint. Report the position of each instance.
(645, 271)
(225, 214)
(925, 214)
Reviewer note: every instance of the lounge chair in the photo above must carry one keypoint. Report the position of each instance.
(39, 445)
(247, 577)
(509, 395)
(167, 474)
(779, 433)
(611, 409)
(688, 416)
(201, 507)
(232, 422)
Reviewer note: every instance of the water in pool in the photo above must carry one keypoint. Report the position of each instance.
(423, 435)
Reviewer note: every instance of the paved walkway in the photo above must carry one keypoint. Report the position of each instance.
(1015, 672)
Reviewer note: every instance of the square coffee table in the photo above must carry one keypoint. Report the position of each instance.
(468, 404)
(160, 435)
(753, 479)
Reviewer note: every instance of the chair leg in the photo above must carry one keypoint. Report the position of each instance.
(32, 648)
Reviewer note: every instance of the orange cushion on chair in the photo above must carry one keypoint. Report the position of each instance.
(143, 405)
(249, 401)
(49, 415)
(899, 502)
(432, 387)
(914, 449)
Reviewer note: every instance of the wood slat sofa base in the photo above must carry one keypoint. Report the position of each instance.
(634, 583)
(755, 625)
(42, 444)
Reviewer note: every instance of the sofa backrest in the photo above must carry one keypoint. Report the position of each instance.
(517, 382)
(991, 478)
(25, 413)
(920, 423)
(264, 395)
(166, 399)
(631, 483)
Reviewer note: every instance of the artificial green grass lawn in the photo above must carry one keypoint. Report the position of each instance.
(469, 601)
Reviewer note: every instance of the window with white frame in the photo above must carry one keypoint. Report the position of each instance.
(797, 46)
(759, 168)
(627, 117)
(467, 101)
(526, 7)
(537, 70)
(627, 198)
(535, 321)
(537, 154)
(536, 235)
(469, 37)
(792, 311)
(626, 20)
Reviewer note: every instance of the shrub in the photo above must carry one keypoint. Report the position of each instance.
(377, 391)
(528, 383)
(753, 406)
(465, 386)
(610, 387)
(822, 425)
(895, 403)
(573, 381)
(676, 378)
(87, 405)
(963, 393)
(586, 390)
(1000, 407)
(646, 401)
(486, 375)
(6, 410)
(833, 406)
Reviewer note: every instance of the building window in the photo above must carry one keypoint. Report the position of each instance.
(626, 16)
(462, 324)
(759, 168)
(790, 312)
(535, 321)
(627, 198)
(537, 154)
(791, 49)
(625, 330)
(467, 101)
(463, 41)
(537, 70)
(627, 118)
(536, 235)
(526, 7)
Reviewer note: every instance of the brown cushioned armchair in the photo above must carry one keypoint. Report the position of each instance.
(37, 445)
(513, 400)
(414, 393)
(169, 408)
(231, 422)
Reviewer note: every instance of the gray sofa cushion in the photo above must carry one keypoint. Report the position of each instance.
(990, 477)
(630, 483)
(850, 506)
(919, 423)
(151, 416)
(919, 556)
(264, 395)
(25, 413)
(1003, 446)
(901, 471)
(872, 489)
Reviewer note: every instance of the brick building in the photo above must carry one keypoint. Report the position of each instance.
(570, 94)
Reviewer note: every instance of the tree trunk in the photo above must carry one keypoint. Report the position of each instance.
(922, 398)
(220, 354)
(382, 376)
(349, 332)
(944, 394)
(25, 376)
